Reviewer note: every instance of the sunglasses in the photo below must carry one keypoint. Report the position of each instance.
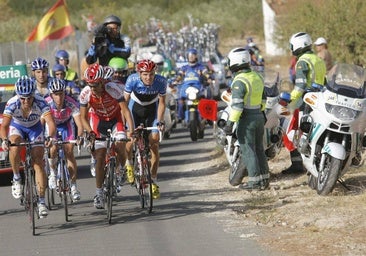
(26, 98)
(94, 85)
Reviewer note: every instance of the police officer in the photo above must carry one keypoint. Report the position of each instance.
(310, 74)
(247, 92)
(108, 42)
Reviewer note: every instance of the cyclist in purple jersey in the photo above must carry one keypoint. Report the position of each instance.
(145, 91)
(66, 113)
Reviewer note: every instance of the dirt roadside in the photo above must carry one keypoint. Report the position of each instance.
(292, 218)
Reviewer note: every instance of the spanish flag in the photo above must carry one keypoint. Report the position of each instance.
(54, 25)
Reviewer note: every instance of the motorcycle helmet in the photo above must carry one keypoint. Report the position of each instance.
(118, 64)
(146, 66)
(158, 59)
(56, 85)
(238, 58)
(62, 55)
(112, 19)
(25, 86)
(57, 68)
(94, 73)
(192, 52)
(300, 43)
(39, 63)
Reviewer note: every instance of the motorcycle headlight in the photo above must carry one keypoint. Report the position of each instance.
(342, 113)
(192, 93)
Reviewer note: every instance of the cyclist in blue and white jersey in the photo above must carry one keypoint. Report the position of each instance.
(146, 91)
(22, 121)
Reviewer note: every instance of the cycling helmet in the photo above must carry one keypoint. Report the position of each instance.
(56, 85)
(118, 64)
(61, 54)
(146, 66)
(300, 43)
(25, 86)
(39, 63)
(192, 51)
(108, 72)
(238, 58)
(94, 73)
(158, 59)
(112, 19)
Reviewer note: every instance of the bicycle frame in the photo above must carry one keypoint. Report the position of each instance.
(143, 180)
(30, 193)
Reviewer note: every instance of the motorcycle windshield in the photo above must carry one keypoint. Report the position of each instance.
(347, 80)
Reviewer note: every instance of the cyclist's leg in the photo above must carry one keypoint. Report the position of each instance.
(14, 158)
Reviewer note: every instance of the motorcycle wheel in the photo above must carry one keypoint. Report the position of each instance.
(237, 170)
(193, 125)
(329, 176)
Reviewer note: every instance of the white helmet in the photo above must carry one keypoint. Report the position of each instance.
(158, 58)
(299, 43)
(237, 58)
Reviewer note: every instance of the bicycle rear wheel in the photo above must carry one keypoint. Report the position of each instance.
(110, 188)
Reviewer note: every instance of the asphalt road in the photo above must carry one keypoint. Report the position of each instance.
(179, 224)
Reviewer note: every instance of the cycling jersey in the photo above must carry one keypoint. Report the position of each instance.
(69, 110)
(39, 109)
(106, 107)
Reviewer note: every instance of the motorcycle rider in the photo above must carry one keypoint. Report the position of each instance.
(310, 72)
(247, 92)
(108, 42)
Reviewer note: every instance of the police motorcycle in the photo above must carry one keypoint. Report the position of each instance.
(277, 116)
(191, 91)
(331, 134)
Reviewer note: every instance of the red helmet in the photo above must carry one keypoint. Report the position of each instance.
(94, 73)
(145, 66)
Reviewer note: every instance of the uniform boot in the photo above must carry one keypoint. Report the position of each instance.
(296, 164)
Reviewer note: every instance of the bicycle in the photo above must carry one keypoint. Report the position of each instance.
(63, 188)
(110, 184)
(29, 194)
(143, 181)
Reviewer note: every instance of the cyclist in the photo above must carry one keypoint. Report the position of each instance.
(62, 57)
(108, 42)
(40, 75)
(146, 91)
(106, 99)
(22, 120)
(66, 113)
(71, 88)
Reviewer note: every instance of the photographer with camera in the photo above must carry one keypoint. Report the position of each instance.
(108, 42)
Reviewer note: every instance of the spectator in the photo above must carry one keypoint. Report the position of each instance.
(321, 48)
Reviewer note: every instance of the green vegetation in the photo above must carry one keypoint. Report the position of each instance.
(341, 22)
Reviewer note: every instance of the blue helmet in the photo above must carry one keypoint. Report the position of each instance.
(192, 51)
(61, 54)
(25, 86)
(39, 63)
(56, 85)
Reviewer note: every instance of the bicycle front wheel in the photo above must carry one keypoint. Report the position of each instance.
(64, 188)
(30, 200)
(146, 188)
(110, 188)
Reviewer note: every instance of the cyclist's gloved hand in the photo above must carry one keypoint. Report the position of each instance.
(91, 136)
(5, 144)
(80, 141)
(228, 129)
(161, 126)
(49, 142)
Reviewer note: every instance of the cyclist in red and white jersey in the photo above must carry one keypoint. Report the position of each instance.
(106, 99)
